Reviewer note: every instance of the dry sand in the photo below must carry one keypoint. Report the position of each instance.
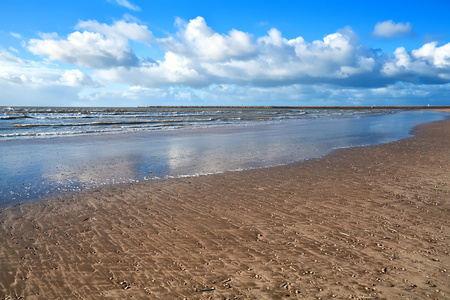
(362, 223)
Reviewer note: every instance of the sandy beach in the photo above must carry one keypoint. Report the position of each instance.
(361, 223)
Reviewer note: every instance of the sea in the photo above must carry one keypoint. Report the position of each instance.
(48, 151)
(50, 122)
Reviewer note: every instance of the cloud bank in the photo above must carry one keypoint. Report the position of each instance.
(197, 56)
(199, 63)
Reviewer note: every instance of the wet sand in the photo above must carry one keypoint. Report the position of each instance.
(362, 223)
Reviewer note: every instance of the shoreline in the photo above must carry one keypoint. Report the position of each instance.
(338, 226)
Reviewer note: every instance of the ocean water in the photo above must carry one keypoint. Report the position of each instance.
(42, 152)
(49, 122)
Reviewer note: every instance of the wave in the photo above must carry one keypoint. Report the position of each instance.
(109, 130)
(17, 123)
(111, 123)
(14, 117)
(54, 134)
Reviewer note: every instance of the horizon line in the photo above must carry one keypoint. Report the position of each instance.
(253, 106)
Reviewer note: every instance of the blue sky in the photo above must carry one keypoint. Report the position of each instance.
(170, 52)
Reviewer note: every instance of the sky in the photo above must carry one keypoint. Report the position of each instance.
(171, 52)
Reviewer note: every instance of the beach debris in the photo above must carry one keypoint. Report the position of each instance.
(126, 286)
(344, 233)
(431, 284)
(285, 285)
(384, 270)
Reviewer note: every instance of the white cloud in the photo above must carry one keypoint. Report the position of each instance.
(174, 70)
(389, 29)
(27, 82)
(329, 58)
(119, 30)
(436, 56)
(6, 58)
(35, 74)
(16, 35)
(428, 64)
(75, 78)
(103, 46)
(196, 39)
(48, 35)
(87, 49)
(198, 56)
(128, 5)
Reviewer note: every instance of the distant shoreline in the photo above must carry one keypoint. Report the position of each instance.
(408, 107)
(311, 107)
